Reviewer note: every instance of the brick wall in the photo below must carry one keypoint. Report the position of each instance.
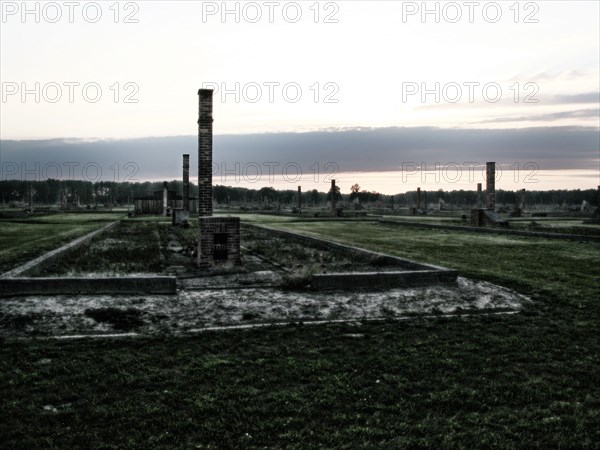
(219, 240)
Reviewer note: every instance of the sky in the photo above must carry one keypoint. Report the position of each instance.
(346, 89)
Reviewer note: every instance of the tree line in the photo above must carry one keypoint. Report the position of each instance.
(109, 193)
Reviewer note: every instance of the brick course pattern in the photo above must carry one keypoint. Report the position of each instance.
(205, 149)
(219, 241)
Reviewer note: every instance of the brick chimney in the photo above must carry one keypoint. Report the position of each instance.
(186, 182)
(218, 237)
(490, 170)
(165, 197)
(205, 148)
(333, 196)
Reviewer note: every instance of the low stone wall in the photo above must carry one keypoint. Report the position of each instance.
(81, 285)
(375, 280)
(541, 234)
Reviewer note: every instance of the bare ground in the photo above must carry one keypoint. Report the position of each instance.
(196, 307)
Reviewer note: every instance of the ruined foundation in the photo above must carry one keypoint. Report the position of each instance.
(480, 216)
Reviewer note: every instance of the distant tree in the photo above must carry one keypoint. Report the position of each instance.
(314, 197)
(267, 192)
(220, 194)
(338, 195)
(354, 190)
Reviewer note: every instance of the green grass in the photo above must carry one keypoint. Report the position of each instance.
(264, 218)
(535, 265)
(22, 239)
(130, 247)
(521, 381)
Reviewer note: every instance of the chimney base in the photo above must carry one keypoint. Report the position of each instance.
(219, 241)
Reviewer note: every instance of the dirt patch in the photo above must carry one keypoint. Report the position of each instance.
(121, 319)
(196, 309)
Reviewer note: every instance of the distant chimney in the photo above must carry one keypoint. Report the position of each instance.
(165, 197)
(333, 196)
(205, 148)
(299, 197)
(418, 198)
(186, 182)
(491, 185)
(479, 195)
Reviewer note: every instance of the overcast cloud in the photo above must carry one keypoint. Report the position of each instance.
(352, 150)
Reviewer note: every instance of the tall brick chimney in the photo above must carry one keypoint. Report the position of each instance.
(490, 169)
(333, 196)
(186, 182)
(165, 197)
(205, 148)
(479, 195)
(418, 198)
(299, 197)
(218, 237)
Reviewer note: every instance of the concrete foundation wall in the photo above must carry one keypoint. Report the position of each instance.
(469, 229)
(80, 285)
(374, 280)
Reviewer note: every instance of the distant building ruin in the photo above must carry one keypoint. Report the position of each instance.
(155, 204)
(479, 215)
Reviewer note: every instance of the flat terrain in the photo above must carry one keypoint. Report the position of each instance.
(512, 261)
(526, 380)
(129, 248)
(23, 238)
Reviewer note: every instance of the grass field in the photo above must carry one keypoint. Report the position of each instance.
(522, 263)
(23, 238)
(130, 247)
(520, 381)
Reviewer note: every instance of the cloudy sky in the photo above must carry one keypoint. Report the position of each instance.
(314, 87)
